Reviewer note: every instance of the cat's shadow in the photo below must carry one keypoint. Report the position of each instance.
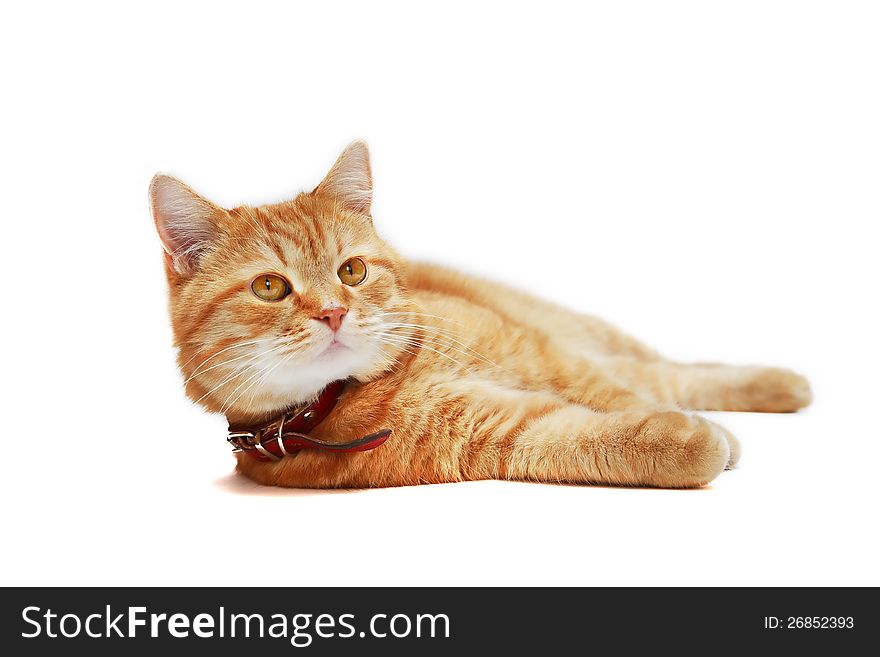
(236, 484)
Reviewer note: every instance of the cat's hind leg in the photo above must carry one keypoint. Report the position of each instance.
(715, 387)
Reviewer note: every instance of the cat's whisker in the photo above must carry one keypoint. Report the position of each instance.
(244, 384)
(394, 339)
(414, 316)
(289, 343)
(447, 341)
(393, 358)
(438, 352)
(215, 366)
(467, 352)
(435, 329)
(448, 335)
(296, 341)
(225, 381)
(214, 355)
(254, 387)
(244, 370)
(424, 336)
(436, 347)
(262, 355)
(424, 327)
(400, 348)
(420, 314)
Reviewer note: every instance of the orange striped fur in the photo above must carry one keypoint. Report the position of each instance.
(478, 381)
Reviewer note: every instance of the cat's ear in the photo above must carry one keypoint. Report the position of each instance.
(350, 182)
(186, 222)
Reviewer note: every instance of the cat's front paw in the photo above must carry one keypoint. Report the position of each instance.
(689, 451)
(732, 444)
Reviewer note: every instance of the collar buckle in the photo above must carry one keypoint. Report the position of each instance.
(236, 438)
(246, 440)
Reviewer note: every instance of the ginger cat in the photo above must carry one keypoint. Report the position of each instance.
(271, 304)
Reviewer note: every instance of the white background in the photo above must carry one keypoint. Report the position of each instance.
(704, 175)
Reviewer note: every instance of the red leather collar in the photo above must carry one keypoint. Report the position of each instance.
(286, 435)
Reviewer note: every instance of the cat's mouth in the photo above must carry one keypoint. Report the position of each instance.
(334, 346)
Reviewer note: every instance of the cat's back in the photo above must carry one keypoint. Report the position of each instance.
(443, 281)
(468, 295)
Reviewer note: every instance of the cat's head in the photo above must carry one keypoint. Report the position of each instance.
(269, 304)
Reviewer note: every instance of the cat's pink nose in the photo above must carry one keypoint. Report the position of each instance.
(332, 317)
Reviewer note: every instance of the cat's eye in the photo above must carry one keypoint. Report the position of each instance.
(353, 271)
(270, 287)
